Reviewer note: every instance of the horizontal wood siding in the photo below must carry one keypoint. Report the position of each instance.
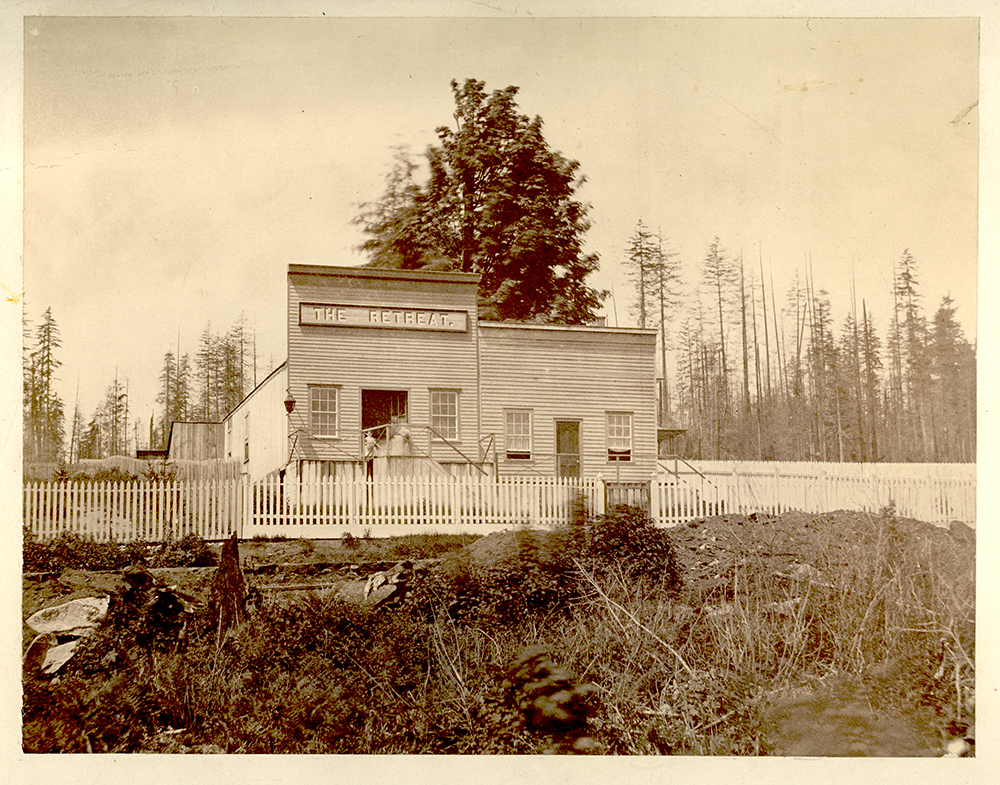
(357, 358)
(264, 412)
(571, 374)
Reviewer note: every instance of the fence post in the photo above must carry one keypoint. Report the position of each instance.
(242, 503)
(654, 499)
(774, 495)
(599, 499)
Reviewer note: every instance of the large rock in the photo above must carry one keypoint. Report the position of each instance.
(76, 617)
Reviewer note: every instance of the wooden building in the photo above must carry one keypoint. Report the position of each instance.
(392, 371)
(195, 441)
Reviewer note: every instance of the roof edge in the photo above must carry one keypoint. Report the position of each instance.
(384, 273)
(580, 328)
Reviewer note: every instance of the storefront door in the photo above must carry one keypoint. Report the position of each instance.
(382, 407)
(568, 448)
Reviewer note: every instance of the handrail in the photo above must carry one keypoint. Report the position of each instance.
(467, 458)
(479, 468)
(676, 472)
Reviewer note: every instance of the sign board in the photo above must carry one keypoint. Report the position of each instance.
(325, 315)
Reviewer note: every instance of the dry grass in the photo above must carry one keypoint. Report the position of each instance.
(891, 609)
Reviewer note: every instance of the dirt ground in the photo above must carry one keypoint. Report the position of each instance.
(839, 721)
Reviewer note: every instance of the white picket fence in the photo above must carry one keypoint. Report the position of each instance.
(329, 507)
(398, 505)
(123, 512)
(935, 493)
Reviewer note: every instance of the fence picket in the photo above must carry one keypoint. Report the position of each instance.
(327, 506)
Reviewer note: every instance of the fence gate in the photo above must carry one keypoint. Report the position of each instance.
(634, 494)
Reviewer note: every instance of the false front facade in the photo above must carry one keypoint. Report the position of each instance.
(391, 371)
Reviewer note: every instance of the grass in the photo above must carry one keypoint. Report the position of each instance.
(628, 664)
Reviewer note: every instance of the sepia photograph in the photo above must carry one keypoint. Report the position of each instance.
(498, 383)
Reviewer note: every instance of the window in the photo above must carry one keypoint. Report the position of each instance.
(444, 413)
(323, 411)
(517, 434)
(619, 436)
(246, 436)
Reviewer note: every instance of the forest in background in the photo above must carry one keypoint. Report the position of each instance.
(203, 389)
(754, 373)
(747, 372)
(757, 375)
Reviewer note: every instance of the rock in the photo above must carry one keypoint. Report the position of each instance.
(46, 655)
(389, 585)
(76, 617)
(34, 657)
(57, 656)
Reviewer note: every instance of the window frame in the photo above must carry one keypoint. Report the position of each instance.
(443, 437)
(520, 456)
(617, 454)
(313, 430)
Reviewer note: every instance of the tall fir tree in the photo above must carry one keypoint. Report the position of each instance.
(498, 201)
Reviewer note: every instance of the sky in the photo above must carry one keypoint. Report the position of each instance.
(174, 167)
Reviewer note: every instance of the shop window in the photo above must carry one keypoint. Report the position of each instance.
(323, 411)
(517, 434)
(619, 432)
(444, 413)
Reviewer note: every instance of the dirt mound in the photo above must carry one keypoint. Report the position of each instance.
(794, 544)
(500, 546)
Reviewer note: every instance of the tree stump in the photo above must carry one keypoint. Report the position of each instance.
(227, 597)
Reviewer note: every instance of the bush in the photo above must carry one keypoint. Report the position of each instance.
(73, 551)
(189, 551)
(624, 540)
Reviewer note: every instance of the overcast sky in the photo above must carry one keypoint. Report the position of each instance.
(175, 167)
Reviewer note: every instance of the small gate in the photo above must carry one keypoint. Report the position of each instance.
(634, 494)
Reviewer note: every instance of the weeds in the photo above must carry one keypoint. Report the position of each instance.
(73, 551)
(585, 634)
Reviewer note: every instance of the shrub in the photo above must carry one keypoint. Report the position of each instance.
(624, 540)
(70, 551)
(189, 551)
(349, 541)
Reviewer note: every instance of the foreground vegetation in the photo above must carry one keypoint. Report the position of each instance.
(585, 639)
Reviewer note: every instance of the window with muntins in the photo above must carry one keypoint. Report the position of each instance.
(444, 413)
(323, 411)
(517, 434)
(619, 430)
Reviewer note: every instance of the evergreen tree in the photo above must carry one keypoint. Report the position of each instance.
(44, 424)
(952, 366)
(499, 202)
